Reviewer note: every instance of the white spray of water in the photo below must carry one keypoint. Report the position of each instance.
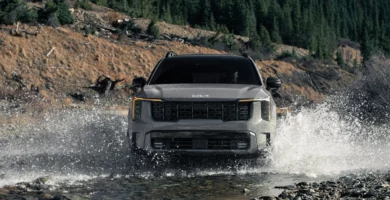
(80, 145)
(322, 142)
(67, 145)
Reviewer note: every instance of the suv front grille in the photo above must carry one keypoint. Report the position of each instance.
(194, 143)
(224, 110)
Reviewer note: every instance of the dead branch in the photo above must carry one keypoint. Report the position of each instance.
(16, 31)
(106, 28)
(313, 72)
(48, 54)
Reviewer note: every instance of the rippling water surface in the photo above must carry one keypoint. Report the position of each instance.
(85, 153)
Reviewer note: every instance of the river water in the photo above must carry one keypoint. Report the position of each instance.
(85, 155)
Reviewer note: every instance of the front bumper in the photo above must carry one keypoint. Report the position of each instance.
(200, 136)
(200, 142)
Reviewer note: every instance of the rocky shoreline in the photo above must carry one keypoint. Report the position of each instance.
(368, 186)
(36, 190)
(351, 187)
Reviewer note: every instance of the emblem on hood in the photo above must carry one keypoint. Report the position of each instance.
(200, 95)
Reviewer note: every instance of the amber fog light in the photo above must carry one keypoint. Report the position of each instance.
(137, 106)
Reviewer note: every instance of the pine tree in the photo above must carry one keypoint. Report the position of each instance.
(297, 24)
(275, 36)
(366, 46)
(287, 26)
(265, 38)
(166, 13)
(339, 59)
(254, 42)
(294, 22)
(241, 18)
(205, 13)
(100, 2)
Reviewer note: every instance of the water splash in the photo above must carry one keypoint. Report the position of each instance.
(322, 141)
(79, 144)
(67, 143)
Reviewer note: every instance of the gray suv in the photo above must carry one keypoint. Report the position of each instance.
(203, 105)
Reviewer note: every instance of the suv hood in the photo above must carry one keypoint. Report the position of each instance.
(203, 91)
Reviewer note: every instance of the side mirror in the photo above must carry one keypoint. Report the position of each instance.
(273, 83)
(138, 83)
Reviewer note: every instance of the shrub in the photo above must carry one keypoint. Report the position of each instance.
(153, 29)
(64, 15)
(129, 26)
(229, 40)
(84, 4)
(90, 30)
(55, 9)
(12, 11)
(53, 21)
(29, 16)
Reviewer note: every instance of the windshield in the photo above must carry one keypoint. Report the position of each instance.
(206, 70)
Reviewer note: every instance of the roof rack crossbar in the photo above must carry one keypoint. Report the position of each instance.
(170, 54)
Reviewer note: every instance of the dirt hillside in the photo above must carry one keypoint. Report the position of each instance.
(61, 61)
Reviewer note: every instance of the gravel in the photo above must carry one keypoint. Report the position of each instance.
(351, 187)
(367, 186)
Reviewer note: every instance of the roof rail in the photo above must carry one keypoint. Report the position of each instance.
(245, 54)
(170, 54)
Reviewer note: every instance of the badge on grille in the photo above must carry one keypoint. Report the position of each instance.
(200, 96)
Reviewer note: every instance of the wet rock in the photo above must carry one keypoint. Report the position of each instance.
(4, 191)
(302, 192)
(245, 190)
(332, 184)
(42, 180)
(267, 198)
(287, 187)
(361, 185)
(371, 186)
(13, 189)
(3, 196)
(302, 184)
(30, 198)
(61, 197)
(315, 185)
(46, 197)
(371, 193)
(78, 96)
(283, 195)
(292, 195)
(75, 197)
(22, 186)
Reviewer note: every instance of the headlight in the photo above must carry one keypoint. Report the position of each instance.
(265, 110)
(136, 108)
(265, 107)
